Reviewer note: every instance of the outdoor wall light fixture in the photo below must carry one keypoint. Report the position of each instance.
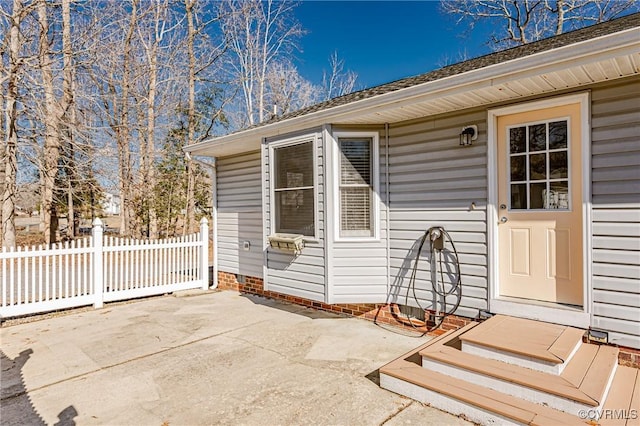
(469, 133)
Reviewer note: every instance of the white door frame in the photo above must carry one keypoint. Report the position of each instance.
(535, 310)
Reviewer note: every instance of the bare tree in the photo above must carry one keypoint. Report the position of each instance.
(517, 22)
(9, 156)
(68, 115)
(287, 90)
(91, 88)
(110, 69)
(211, 51)
(259, 33)
(51, 118)
(109, 80)
(337, 81)
(156, 27)
(191, 112)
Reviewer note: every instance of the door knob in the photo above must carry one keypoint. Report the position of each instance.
(503, 219)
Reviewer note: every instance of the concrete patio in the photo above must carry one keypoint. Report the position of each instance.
(213, 358)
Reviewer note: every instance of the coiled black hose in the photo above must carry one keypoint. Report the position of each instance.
(455, 288)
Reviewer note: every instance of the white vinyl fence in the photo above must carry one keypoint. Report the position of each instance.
(100, 269)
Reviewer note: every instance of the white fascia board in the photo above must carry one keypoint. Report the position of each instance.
(588, 51)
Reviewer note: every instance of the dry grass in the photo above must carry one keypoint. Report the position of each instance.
(30, 239)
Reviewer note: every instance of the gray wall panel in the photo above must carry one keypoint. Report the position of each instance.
(616, 211)
(240, 214)
(433, 182)
(359, 272)
(301, 275)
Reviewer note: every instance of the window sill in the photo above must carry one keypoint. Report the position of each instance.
(357, 240)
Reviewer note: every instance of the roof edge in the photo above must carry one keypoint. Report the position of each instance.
(538, 61)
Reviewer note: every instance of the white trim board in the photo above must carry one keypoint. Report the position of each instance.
(533, 309)
(329, 207)
(264, 151)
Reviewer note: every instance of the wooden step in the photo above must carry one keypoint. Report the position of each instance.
(406, 376)
(622, 407)
(598, 371)
(585, 387)
(532, 344)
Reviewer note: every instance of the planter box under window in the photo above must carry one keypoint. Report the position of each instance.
(293, 243)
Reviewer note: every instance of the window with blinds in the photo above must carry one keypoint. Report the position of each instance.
(293, 189)
(355, 186)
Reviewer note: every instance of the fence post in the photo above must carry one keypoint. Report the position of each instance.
(204, 254)
(98, 278)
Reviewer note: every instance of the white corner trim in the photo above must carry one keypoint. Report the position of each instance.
(375, 174)
(532, 310)
(587, 220)
(329, 222)
(265, 234)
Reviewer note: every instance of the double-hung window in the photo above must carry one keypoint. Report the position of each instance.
(357, 184)
(293, 188)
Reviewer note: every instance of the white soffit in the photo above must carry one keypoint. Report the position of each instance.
(574, 77)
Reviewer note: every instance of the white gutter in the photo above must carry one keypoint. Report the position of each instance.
(621, 43)
(214, 219)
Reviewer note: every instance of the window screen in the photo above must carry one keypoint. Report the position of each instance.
(293, 189)
(355, 187)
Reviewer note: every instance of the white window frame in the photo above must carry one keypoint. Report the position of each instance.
(375, 181)
(272, 204)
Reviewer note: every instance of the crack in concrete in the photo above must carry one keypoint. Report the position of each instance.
(107, 367)
(398, 411)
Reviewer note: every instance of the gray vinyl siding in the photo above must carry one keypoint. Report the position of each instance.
(433, 182)
(359, 269)
(302, 275)
(616, 211)
(239, 185)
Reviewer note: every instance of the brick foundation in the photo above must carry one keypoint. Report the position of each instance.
(377, 312)
(629, 357)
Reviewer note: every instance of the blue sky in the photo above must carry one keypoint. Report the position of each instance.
(382, 41)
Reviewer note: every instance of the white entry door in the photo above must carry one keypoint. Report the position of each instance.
(540, 224)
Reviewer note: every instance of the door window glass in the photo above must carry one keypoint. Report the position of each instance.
(539, 166)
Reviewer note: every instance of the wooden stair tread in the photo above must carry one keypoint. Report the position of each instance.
(549, 383)
(547, 342)
(566, 343)
(635, 400)
(575, 371)
(584, 380)
(625, 382)
(487, 399)
(590, 369)
(597, 377)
